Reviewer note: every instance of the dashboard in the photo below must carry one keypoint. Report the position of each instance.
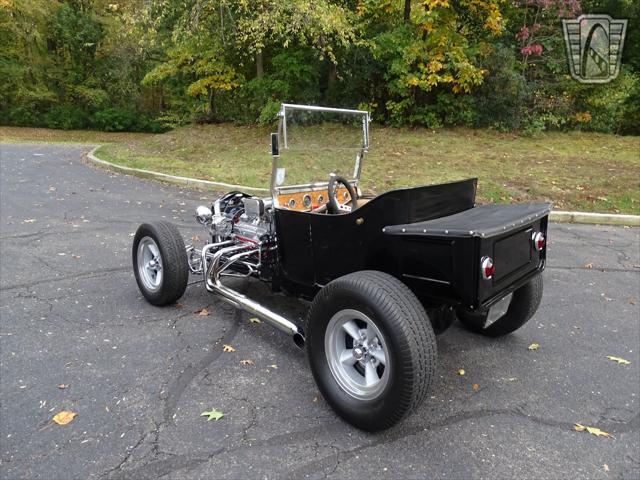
(305, 201)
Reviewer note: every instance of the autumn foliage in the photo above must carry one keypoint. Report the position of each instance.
(153, 65)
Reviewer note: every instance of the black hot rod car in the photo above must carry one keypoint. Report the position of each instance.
(385, 274)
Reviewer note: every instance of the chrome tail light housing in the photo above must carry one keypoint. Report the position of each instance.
(539, 242)
(487, 268)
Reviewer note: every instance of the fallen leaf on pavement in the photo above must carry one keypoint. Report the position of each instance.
(461, 371)
(179, 305)
(64, 417)
(592, 430)
(195, 238)
(255, 320)
(228, 348)
(62, 386)
(247, 361)
(76, 256)
(621, 361)
(605, 467)
(589, 265)
(315, 399)
(274, 366)
(475, 387)
(533, 346)
(213, 414)
(203, 312)
(29, 220)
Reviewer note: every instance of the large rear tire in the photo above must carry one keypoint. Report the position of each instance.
(523, 305)
(160, 262)
(371, 348)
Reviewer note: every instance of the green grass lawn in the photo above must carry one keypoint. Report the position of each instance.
(46, 135)
(576, 170)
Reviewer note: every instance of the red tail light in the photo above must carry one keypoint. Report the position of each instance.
(487, 268)
(538, 241)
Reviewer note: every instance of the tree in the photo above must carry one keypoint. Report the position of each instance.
(213, 41)
(437, 46)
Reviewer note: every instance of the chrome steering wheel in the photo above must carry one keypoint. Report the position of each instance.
(335, 206)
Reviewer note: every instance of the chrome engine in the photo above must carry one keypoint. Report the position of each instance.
(237, 216)
(242, 245)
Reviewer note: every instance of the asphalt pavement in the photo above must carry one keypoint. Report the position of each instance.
(139, 377)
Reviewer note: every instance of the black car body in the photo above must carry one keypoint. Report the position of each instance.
(384, 273)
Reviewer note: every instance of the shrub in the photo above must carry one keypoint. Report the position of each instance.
(20, 116)
(456, 109)
(66, 117)
(500, 99)
(122, 120)
(613, 107)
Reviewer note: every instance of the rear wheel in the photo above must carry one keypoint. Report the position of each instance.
(522, 305)
(371, 348)
(160, 262)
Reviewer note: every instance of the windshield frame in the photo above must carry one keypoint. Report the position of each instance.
(283, 144)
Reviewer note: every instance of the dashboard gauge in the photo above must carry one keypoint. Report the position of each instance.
(345, 195)
(306, 201)
(320, 199)
(292, 203)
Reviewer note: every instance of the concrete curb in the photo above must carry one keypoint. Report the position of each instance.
(595, 218)
(554, 216)
(164, 177)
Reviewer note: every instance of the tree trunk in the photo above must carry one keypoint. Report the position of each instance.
(333, 75)
(212, 105)
(407, 11)
(259, 64)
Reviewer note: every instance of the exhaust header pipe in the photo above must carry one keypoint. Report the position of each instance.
(213, 284)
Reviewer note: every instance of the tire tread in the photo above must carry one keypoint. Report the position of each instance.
(417, 338)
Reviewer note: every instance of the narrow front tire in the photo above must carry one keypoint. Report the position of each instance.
(160, 262)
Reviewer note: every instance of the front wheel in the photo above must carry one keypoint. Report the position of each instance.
(371, 348)
(160, 262)
(522, 305)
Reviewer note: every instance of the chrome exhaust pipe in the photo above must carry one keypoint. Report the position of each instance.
(238, 300)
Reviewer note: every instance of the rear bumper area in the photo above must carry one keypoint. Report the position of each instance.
(513, 286)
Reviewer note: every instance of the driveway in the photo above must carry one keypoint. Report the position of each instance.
(140, 376)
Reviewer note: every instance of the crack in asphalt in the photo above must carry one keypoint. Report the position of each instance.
(159, 468)
(170, 397)
(179, 385)
(46, 233)
(594, 269)
(310, 468)
(81, 275)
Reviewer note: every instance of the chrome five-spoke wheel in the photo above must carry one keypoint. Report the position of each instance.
(149, 264)
(356, 353)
